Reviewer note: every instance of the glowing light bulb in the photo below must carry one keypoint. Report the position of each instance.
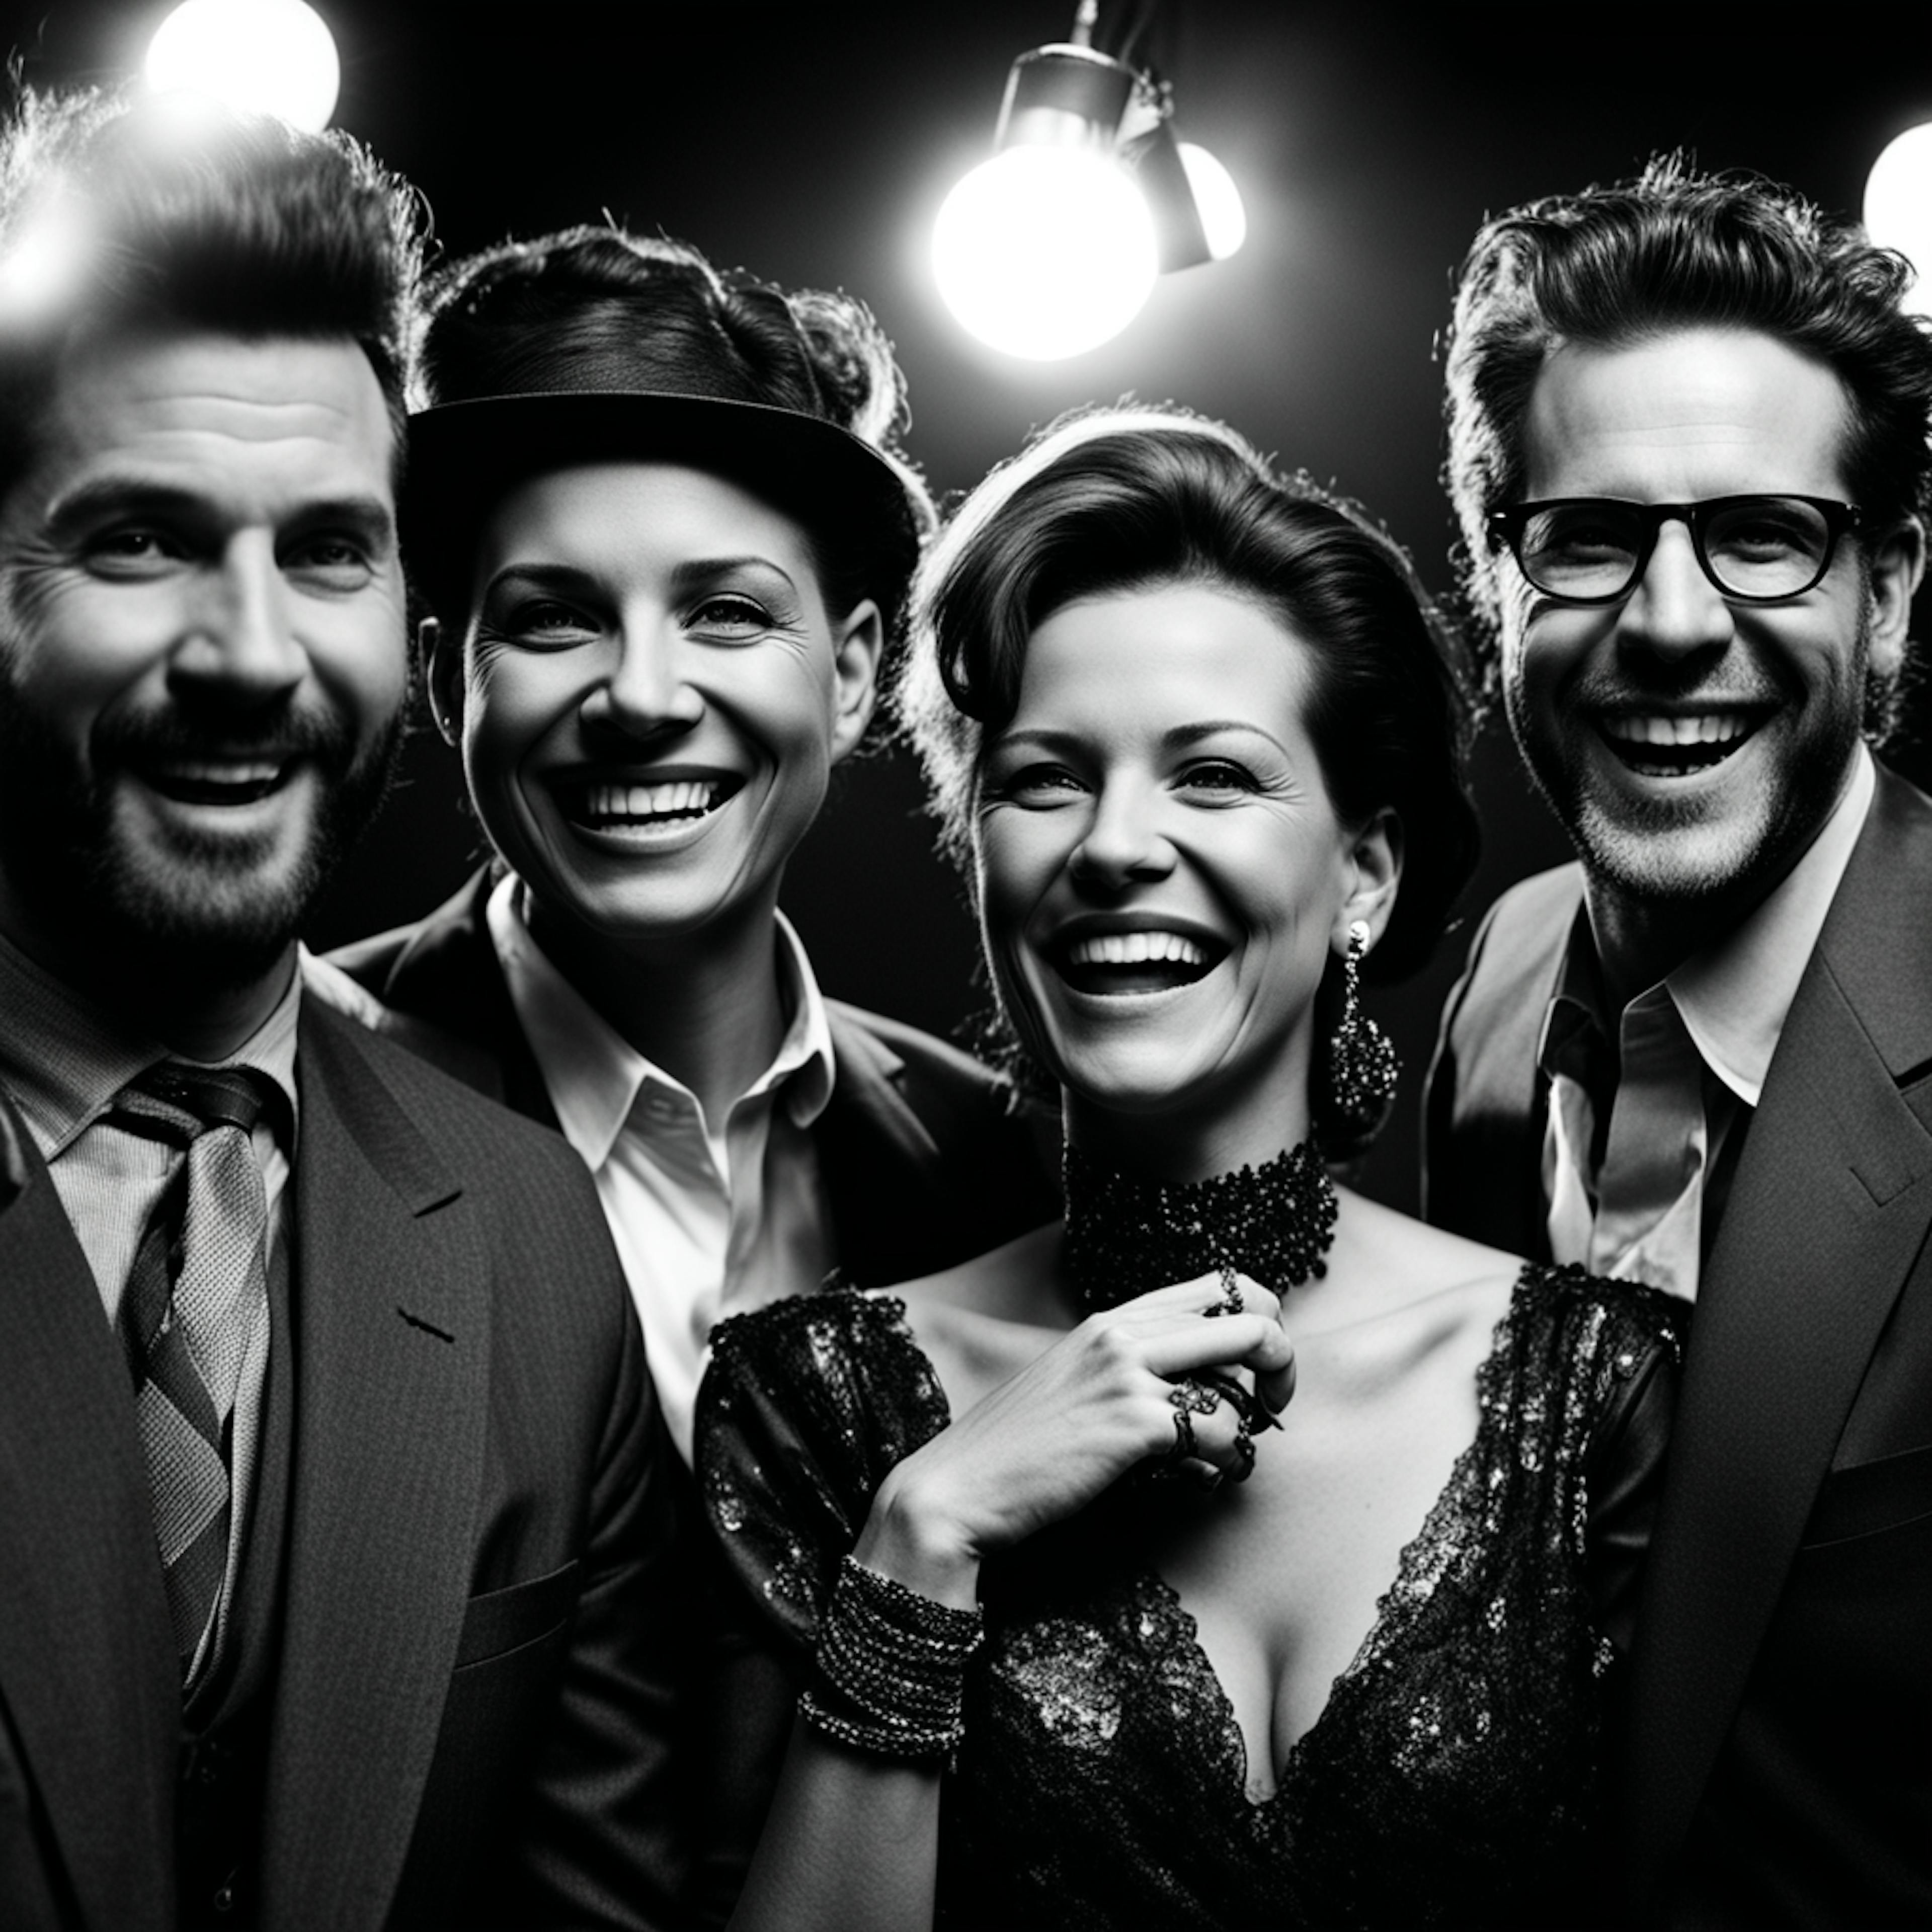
(1044, 252)
(1224, 221)
(261, 56)
(1898, 208)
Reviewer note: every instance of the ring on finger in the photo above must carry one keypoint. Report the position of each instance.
(1189, 1398)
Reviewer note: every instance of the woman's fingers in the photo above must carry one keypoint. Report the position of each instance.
(1178, 1345)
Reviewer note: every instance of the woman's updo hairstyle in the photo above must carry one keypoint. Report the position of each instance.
(593, 311)
(1114, 499)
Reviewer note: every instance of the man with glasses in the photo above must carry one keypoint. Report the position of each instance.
(1688, 444)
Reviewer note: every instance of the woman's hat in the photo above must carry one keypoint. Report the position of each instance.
(654, 394)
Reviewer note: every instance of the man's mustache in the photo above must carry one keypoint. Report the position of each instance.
(281, 732)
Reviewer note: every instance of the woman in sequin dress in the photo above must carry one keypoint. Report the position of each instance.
(1192, 730)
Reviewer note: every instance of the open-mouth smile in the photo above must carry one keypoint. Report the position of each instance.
(661, 804)
(1660, 745)
(216, 781)
(1153, 961)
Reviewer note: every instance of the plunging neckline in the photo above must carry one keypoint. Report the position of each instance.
(1397, 1606)
(1401, 1594)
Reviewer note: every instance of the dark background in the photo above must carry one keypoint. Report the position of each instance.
(813, 145)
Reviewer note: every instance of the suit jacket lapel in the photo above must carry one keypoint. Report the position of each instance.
(391, 1357)
(88, 1669)
(449, 975)
(878, 1163)
(1831, 1204)
(1487, 1112)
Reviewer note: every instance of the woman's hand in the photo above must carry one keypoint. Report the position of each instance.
(1068, 1425)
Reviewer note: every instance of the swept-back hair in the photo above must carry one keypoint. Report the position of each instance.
(115, 213)
(1112, 500)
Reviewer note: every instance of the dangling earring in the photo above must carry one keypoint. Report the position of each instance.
(1362, 1062)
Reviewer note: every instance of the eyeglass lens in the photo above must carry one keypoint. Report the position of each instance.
(1754, 547)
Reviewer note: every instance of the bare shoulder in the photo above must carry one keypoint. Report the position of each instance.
(1408, 1259)
(1401, 1297)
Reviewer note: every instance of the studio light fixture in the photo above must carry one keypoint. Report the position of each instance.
(1898, 208)
(263, 56)
(1052, 247)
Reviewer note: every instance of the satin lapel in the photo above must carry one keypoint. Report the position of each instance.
(391, 1347)
(1832, 1203)
(87, 1671)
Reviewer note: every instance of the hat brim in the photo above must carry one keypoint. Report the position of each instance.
(464, 458)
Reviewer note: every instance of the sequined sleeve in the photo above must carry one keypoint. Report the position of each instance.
(1634, 1400)
(807, 1405)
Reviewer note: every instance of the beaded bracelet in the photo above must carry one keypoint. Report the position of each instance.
(891, 1668)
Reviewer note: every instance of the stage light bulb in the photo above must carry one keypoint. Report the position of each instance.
(1044, 252)
(1898, 208)
(260, 56)
(1224, 221)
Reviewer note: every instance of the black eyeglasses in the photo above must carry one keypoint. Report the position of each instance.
(1594, 550)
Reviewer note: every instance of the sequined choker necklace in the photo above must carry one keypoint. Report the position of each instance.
(1275, 1223)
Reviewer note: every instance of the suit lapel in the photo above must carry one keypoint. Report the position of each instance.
(1487, 1114)
(1831, 1204)
(391, 1355)
(449, 975)
(878, 1163)
(88, 1671)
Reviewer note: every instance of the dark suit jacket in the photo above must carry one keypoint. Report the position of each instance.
(479, 1640)
(925, 1163)
(1779, 1769)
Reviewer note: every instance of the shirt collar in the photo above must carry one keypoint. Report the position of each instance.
(1732, 996)
(594, 1075)
(64, 1058)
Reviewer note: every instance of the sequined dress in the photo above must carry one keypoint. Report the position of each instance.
(1452, 1777)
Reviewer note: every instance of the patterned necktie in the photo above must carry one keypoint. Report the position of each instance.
(198, 1289)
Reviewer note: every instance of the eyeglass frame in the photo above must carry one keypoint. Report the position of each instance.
(1505, 528)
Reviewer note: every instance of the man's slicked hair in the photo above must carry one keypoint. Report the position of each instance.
(116, 212)
(1677, 249)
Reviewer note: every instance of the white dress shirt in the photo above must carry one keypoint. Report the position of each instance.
(707, 1216)
(1692, 1052)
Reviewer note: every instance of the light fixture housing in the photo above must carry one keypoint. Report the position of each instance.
(1045, 258)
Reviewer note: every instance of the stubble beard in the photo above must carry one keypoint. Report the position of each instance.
(207, 913)
(1659, 853)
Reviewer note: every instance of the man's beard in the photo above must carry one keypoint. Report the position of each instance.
(1670, 853)
(202, 911)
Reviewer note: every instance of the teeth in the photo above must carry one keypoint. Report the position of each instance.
(1707, 727)
(208, 772)
(1136, 949)
(650, 801)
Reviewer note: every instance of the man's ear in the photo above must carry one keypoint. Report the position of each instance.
(1374, 860)
(858, 647)
(1897, 564)
(443, 680)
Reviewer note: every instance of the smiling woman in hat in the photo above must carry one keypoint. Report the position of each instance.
(658, 517)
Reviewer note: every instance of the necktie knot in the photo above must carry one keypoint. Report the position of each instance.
(173, 1101)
